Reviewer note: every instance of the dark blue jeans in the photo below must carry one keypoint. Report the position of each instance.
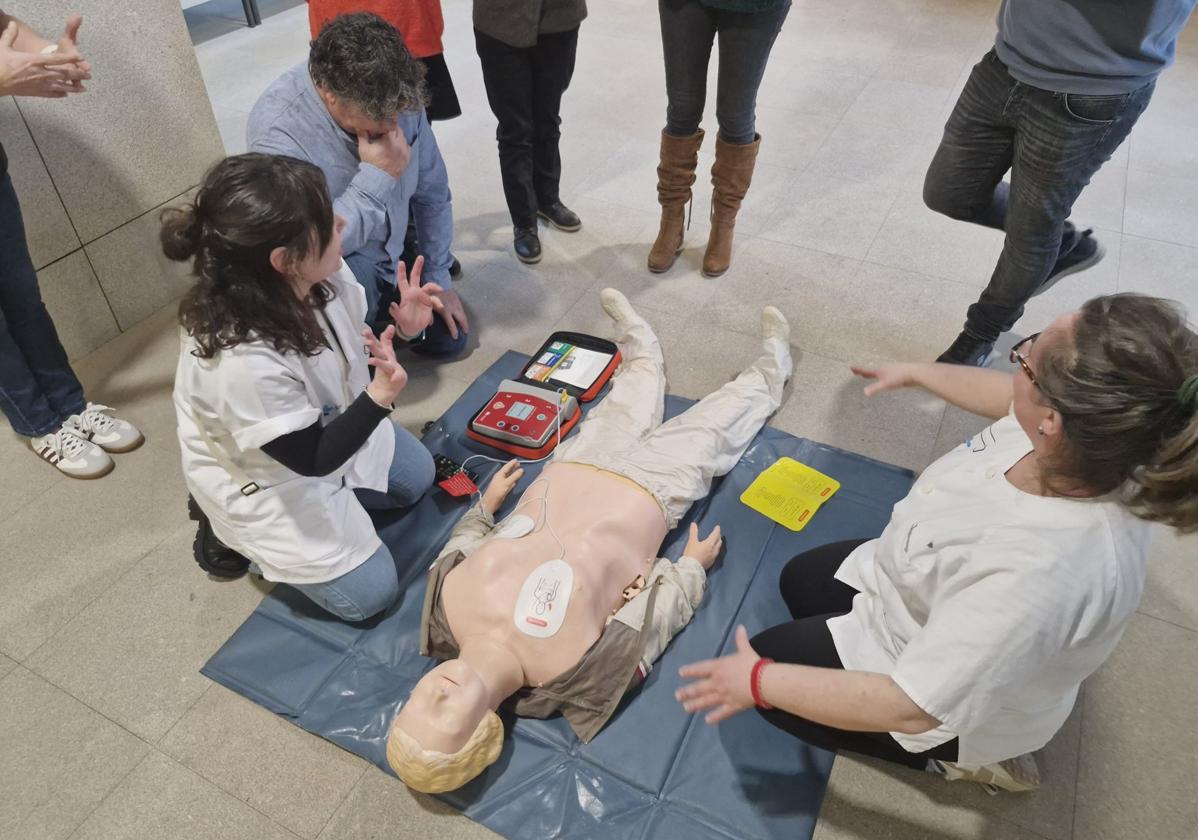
(38, 389)
(1052, 143)
(378, 281)
(688, 30)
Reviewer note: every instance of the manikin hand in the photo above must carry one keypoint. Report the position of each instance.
(501, 484)
(721, 684)
(390, 152)
(886, 377)
(389, 375)
(705, 551)
(414, 311)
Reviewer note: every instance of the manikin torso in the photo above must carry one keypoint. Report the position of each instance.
(611, 530)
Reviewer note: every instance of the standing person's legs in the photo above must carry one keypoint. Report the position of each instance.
(635, 404)
(678, 460)
(687, 34)
(508, 77)
(38, 389)
(746, 39)
(1062, 141)
(553, 67)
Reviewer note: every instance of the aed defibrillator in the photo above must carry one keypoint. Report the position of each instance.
(528, 415)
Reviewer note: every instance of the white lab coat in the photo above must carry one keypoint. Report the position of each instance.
(988, 606)
(296, 529)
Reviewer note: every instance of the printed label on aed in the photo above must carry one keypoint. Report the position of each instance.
(542, 602)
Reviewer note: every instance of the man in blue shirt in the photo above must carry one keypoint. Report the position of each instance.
(1062, 88)
(356, 110)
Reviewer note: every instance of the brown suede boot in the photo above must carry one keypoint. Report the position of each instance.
(675, 175)
(731, 175)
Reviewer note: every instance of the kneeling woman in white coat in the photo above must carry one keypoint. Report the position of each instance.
(280, 420)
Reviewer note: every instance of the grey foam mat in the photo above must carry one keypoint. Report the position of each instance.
(654, 771)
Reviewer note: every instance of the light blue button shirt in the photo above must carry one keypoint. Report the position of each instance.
(291, 119)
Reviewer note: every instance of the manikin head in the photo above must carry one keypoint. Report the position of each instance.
(447, 732)
(364, 74)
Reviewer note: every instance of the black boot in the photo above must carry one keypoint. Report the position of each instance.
(528, 245)
(967, 350)
(212, 555)
(560, 216)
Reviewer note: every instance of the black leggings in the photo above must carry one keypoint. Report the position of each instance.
(813, 596)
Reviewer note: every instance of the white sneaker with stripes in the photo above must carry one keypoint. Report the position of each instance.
(99, 424)
(71, 454)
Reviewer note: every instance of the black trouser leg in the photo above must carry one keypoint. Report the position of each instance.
(553, 67)
(508, 77)
(813, 596)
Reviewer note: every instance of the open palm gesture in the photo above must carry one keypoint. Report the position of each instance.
(414, 311)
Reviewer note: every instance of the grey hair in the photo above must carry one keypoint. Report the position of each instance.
(362, 59)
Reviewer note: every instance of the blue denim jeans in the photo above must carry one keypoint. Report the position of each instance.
(374, 585)
(38, 389)
(688, 30)
(1052, 143)
(378, 281)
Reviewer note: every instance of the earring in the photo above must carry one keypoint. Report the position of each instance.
(1040, 430)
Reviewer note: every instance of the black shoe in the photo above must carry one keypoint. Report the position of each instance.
(967, 350)
(528, 245)
(1087, 252)
(455, 267)
(212, 555)
(561, 217)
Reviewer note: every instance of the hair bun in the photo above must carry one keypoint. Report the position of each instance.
(180, 233)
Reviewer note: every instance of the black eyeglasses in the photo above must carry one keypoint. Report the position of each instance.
(1021, 360)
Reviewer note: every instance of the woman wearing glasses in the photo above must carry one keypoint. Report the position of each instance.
(957, 640)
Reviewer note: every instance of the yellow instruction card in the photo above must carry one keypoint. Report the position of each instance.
(789, 493)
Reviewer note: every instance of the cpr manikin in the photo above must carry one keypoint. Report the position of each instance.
(564, 605)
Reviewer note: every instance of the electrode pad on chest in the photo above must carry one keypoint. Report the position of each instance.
(541, 604)
(514, 527)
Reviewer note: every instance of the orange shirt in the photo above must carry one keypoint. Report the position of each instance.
(419, 21)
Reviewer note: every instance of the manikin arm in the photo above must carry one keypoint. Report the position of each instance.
(679, 594)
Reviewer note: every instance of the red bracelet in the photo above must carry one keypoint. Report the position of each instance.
(755, 682)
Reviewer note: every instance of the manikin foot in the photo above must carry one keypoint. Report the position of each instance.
(775, 325)
(616, 305)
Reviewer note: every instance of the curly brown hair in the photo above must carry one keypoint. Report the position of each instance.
(1128, 428)
(362, 59)
(247, 206)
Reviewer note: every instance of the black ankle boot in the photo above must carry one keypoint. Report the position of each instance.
(967, 350)
(560, 216)
(212, 555)
(528, 245)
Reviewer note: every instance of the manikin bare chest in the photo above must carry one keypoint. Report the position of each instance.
(610, 531)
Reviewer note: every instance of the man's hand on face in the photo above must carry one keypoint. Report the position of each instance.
(390, 152)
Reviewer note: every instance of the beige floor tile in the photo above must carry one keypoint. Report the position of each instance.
(163, 799)
(917, 239)
(380, 806)
(6, 665)
(831, 214)
(135, 652)
(893, 315)
(873, 153)
(1160, 268)
(428, 394)
(1162, 207)
(295, 778)
(802, 85)
(26, 476)
(1101, 203)
(84, 536)
(868, 800)
(76, 302)
(826, 404)
(1171, 591)
(59, 758)
(1139, 755)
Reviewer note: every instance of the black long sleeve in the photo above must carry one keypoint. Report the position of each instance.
(317, 450)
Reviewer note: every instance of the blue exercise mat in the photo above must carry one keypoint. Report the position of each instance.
(654, 771)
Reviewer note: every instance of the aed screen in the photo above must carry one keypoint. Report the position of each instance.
(520, 411)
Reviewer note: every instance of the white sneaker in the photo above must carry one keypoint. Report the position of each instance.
(73, 455)
(99, 425)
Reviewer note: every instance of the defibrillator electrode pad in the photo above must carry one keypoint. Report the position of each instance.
(515, 526)
(543, 599)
